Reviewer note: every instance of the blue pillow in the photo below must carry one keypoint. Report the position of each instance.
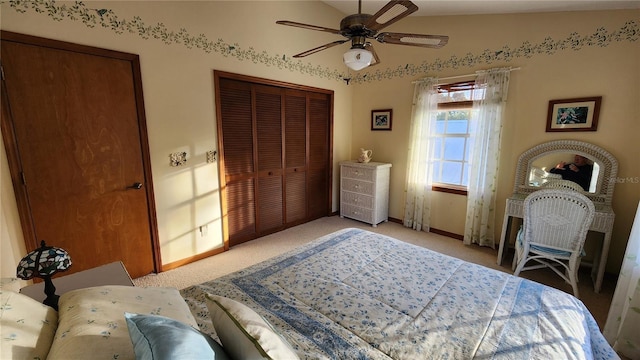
(157, 337)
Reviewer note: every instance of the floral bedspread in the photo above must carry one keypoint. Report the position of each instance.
(355, 294)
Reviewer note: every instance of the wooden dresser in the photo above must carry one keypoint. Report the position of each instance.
(364, 191)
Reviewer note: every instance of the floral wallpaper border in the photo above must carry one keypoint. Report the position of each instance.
(107, 18)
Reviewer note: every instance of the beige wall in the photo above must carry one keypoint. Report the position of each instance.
(178, 90)
(612, 72)
(179, 99)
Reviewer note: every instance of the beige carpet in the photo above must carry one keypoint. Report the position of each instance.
(257, 250)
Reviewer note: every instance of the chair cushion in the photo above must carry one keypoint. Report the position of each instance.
(520, 239)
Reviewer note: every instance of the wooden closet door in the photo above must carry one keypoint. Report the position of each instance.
(319, 164)
(275, 155)
(268, 115)
(295, 136)
(235, 127)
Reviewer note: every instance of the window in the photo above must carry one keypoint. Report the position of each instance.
(454, 125)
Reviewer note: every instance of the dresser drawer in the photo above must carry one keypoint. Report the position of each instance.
(358, 173)
(356, 199)
(357, 213)
(358, 186)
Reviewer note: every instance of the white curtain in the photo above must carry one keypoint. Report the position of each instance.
(623, 323)
(485, 152)
(419, 177)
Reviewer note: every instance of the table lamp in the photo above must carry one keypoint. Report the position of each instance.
(43, 263)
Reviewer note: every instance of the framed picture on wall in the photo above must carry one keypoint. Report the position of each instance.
(580, 114)
(381, 119)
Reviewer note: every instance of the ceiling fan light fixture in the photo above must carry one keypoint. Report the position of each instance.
(357, 59)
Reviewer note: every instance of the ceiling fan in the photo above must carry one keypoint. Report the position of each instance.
(360, 27)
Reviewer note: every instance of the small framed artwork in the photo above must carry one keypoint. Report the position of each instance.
(381, 119)
(579, 114)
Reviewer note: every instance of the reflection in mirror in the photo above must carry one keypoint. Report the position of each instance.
(534, 166)
(541, 170)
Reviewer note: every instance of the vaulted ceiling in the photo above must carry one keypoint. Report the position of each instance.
(470, 7)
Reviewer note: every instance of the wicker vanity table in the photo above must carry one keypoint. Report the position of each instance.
(601, 193)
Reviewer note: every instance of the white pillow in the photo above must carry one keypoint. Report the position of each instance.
(92, 323)
(244, 333)
(26, 327)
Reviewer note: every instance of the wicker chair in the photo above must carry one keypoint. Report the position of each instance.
(561, 184)
(555, 227)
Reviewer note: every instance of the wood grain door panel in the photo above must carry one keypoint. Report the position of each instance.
(296, 156)
(75, 120)
(241, 210)
(270, 207)
(319, 159)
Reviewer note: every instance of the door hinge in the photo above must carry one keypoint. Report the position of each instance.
(2, 72)
(24, 179)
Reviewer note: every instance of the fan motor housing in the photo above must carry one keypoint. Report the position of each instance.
(353, 25)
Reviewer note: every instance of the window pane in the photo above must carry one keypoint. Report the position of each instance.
(437, 150)
(451, 173)
(436, 172)
(457, 126)
(473, 124)
(454, 148)
(440, 125)
(465, 175)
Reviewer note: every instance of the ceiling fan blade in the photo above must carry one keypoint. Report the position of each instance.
(390, 13)
(428, 41)
(320, 48)
(307, 26)
(376, 59)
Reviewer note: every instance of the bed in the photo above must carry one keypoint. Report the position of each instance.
(355, 294)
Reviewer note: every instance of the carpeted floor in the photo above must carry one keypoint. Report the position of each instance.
(257, 250)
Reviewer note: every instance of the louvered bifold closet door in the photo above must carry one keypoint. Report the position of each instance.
(237, 154)
(319, 183)
(268, 108)
(275, 145)
(295, 157)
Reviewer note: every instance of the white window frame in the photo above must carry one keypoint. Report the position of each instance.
(450, 92)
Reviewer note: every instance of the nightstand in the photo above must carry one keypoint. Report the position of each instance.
(110, 274)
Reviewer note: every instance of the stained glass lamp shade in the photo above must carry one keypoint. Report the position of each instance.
(43, 263)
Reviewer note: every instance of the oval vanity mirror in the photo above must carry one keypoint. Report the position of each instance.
(534, 169)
